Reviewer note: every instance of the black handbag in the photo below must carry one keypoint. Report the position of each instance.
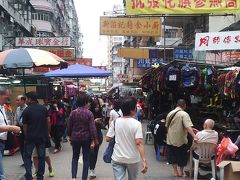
(107, 155)
(48, 143)
(10, 142)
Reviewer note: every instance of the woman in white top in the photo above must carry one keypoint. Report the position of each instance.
(116, 112)
(129, 146)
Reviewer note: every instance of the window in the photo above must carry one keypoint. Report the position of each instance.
(171, 33)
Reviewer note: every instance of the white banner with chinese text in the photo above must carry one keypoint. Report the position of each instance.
(217, 41)
(43, 42)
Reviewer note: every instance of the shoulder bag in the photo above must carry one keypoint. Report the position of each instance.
(107, 155)
(171, 118)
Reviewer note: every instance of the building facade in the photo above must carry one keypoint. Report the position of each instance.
(15, 21)
(54, 18)
(39, 18)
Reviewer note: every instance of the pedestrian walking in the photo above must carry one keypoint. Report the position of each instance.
(98, 118)
(57, 124)
(4, 128)
(51, 172)
(129, 146)
(36, 129)
(82, 133)
(116, 112)
(178, 124)
(21, 105)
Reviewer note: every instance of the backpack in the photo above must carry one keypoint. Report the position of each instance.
(172, 77)
(189, 76)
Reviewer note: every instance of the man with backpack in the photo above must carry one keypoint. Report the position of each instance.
(178, 124)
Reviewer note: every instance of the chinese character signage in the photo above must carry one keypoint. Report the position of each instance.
(217, 41)
(134, 7)
(64, 53)
(183, 53)
(42, 41)
(147, 63)
(130, 26)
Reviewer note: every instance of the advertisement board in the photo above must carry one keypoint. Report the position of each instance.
(64, 53)
(137, 7)
(42, 41)
(183, 53)
(130, 26)
(217, 41)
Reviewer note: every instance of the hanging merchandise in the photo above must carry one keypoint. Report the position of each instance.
(189, 76)
(237, 85)
(221, 83)
(229, 88)
(200, 86)
(146, 83)
(172, 77)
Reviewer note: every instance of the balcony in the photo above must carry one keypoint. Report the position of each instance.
(42, 25)
(42, 5)
(18, 18)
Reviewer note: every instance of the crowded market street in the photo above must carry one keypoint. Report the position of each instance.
(61, 161)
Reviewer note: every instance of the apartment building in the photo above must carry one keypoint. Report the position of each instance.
(15, 21)
(57, 18)
(41, 18)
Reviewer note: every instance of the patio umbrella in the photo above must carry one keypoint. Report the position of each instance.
(23, 58)
(78, 71)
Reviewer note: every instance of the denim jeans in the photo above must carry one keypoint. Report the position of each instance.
(93, 157)
(28, 150)
(76, 147)
(119, 170)
(2, 147)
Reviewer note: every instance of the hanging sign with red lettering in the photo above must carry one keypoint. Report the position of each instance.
(134, 7)
(217, 41)
(42, 41)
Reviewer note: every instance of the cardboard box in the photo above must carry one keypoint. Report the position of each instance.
(229, 170)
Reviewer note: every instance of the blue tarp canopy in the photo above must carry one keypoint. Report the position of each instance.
(78, 71)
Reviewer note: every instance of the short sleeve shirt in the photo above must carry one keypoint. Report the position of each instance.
(126, 131)
(35, 117)
(177, 132)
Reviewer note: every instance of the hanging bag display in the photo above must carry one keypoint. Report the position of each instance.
(107, 155)
(189, 76)
(172, 77)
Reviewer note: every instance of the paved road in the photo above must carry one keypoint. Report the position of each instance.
(158, 170)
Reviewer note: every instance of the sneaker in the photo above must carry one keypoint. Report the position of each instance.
(34, 176)
(92, 173)
(65, 140)
(57, 150)
(51, 173)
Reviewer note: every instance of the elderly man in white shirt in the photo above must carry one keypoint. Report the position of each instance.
(4, 127)
(207, 135)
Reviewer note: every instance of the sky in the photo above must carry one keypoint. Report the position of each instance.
(89, 12)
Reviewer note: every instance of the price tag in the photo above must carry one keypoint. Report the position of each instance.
(172, 77)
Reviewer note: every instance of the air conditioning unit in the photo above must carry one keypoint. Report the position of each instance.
(1, 14)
